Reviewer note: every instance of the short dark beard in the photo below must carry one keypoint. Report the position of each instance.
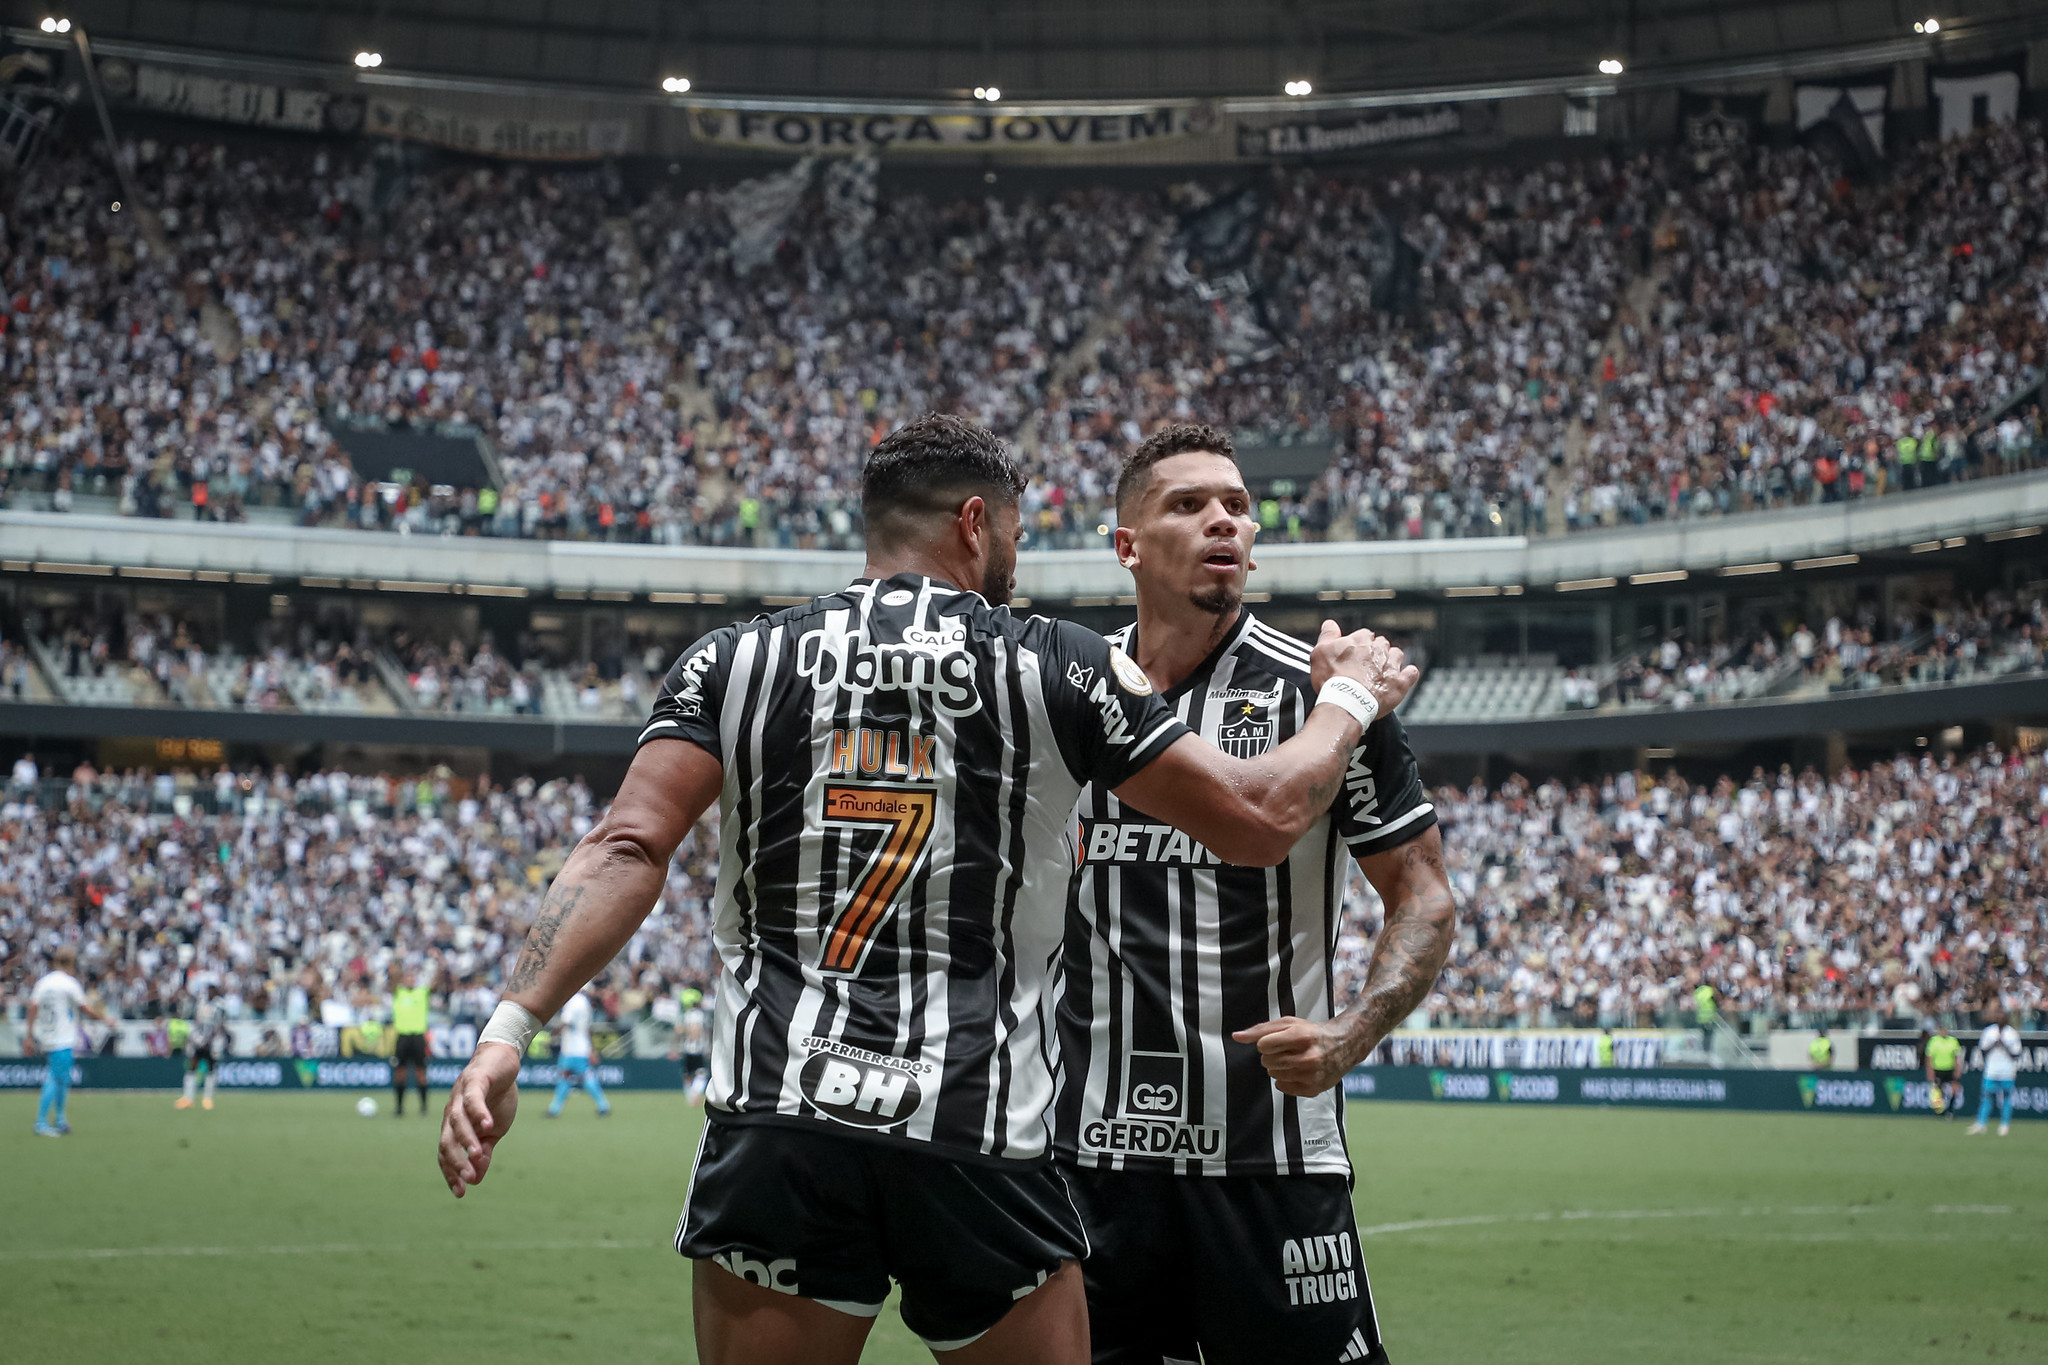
(1000, 576)
(1220, 600)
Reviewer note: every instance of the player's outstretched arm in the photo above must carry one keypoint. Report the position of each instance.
(1305, 1058)
(601, 895)
(1252, 811)
(28, 1029)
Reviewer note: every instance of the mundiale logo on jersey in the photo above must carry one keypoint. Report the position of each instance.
(933, 661)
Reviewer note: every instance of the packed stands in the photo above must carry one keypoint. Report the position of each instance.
(1513, 348)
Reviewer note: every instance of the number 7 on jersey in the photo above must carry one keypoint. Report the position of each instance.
(905, 817)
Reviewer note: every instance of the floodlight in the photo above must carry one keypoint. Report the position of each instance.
(366, 60)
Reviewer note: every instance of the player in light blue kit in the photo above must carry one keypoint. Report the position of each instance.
(53, 1009)
(575, 1060)
(2000, 1049)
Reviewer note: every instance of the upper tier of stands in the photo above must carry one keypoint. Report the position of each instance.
(1577, 344)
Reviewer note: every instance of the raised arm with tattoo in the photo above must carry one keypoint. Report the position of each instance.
(1306, 1058)
(603, 892)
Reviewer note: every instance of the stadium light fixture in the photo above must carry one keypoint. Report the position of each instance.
(366, 60)
(988, 93)
(676, 85)
(1928, 26)
(1298, 88)
(52, 24)
(1610, 66)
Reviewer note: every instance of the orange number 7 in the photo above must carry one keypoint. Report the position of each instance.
(905, 819)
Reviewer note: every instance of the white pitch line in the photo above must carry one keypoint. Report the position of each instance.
(1627, 1215)
(318, 1249)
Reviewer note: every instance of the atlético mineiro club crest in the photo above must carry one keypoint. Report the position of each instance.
(1247, 729)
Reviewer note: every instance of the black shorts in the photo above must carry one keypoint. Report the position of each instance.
(836, 1218)
(1945, 1075)
(410, 1050)
(197, 1052)
(1229, 1270)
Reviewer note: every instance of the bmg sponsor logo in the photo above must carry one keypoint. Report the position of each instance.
(1319, 1270)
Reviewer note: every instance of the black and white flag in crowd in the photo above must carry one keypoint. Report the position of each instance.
(759, 210)
(1853, 106)
(1966, 97)
(850, 206)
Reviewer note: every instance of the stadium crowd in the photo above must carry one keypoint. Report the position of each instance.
(1900, 890)
(1904, 890)
(283, 892)
(1644, 337)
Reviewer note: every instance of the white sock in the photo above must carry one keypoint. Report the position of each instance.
(191, 1084)
(209, 1083)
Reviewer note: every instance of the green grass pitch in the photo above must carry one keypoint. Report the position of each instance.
(284, 1227)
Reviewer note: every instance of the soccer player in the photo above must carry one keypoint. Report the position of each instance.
(206, 1047)
(2000, 1048)
(409, 1004)
(896, 764)
(54, 1005)
(1199, 1110)
(575, 1066)
(1944, 1077)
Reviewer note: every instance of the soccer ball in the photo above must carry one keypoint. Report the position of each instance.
(367, 1107)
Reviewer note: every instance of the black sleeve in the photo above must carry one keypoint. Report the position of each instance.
(1383, 804)
(692, 696)
(1109, 721)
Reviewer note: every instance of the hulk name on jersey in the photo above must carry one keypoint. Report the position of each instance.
(1169, 949)
(901, 760)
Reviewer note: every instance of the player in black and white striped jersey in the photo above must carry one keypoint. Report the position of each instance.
(896, 765)
(1199, 1111)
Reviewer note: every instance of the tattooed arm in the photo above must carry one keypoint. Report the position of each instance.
(1307, 1058)
(1253, 811)
(601, 895)
(614, 875)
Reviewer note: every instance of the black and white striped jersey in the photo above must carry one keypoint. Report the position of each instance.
(1169, 950)
(901, 764)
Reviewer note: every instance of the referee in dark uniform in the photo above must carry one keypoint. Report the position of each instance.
(1201, 1049)
(896, 766)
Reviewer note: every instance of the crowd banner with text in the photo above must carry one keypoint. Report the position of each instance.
(1719, 123)
(1829, 1092)
(314, 1073)
(1364, 133)
(1518, 1048)
(1966, 96)
(168, 90)
(1077, 132)
(510, 136)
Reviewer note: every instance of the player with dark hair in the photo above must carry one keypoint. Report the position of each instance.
(1201, 1051)
(206, 1047)
(895, 765)
(409, 1008)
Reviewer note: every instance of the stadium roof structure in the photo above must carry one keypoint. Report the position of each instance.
(1037, 49)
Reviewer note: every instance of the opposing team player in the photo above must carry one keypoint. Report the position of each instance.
(896, 764)
(576, 1065)
(2000, 1049)
(52, 1029)
(1199, 1113)
(206, 1047)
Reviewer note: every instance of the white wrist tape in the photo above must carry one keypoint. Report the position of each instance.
(1350, 695)
(510, 1023)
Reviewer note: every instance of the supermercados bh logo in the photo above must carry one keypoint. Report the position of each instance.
(1459, 1085)
(863, 1089)
(935, 662)
(1537, 1089)
(1820, 1092)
